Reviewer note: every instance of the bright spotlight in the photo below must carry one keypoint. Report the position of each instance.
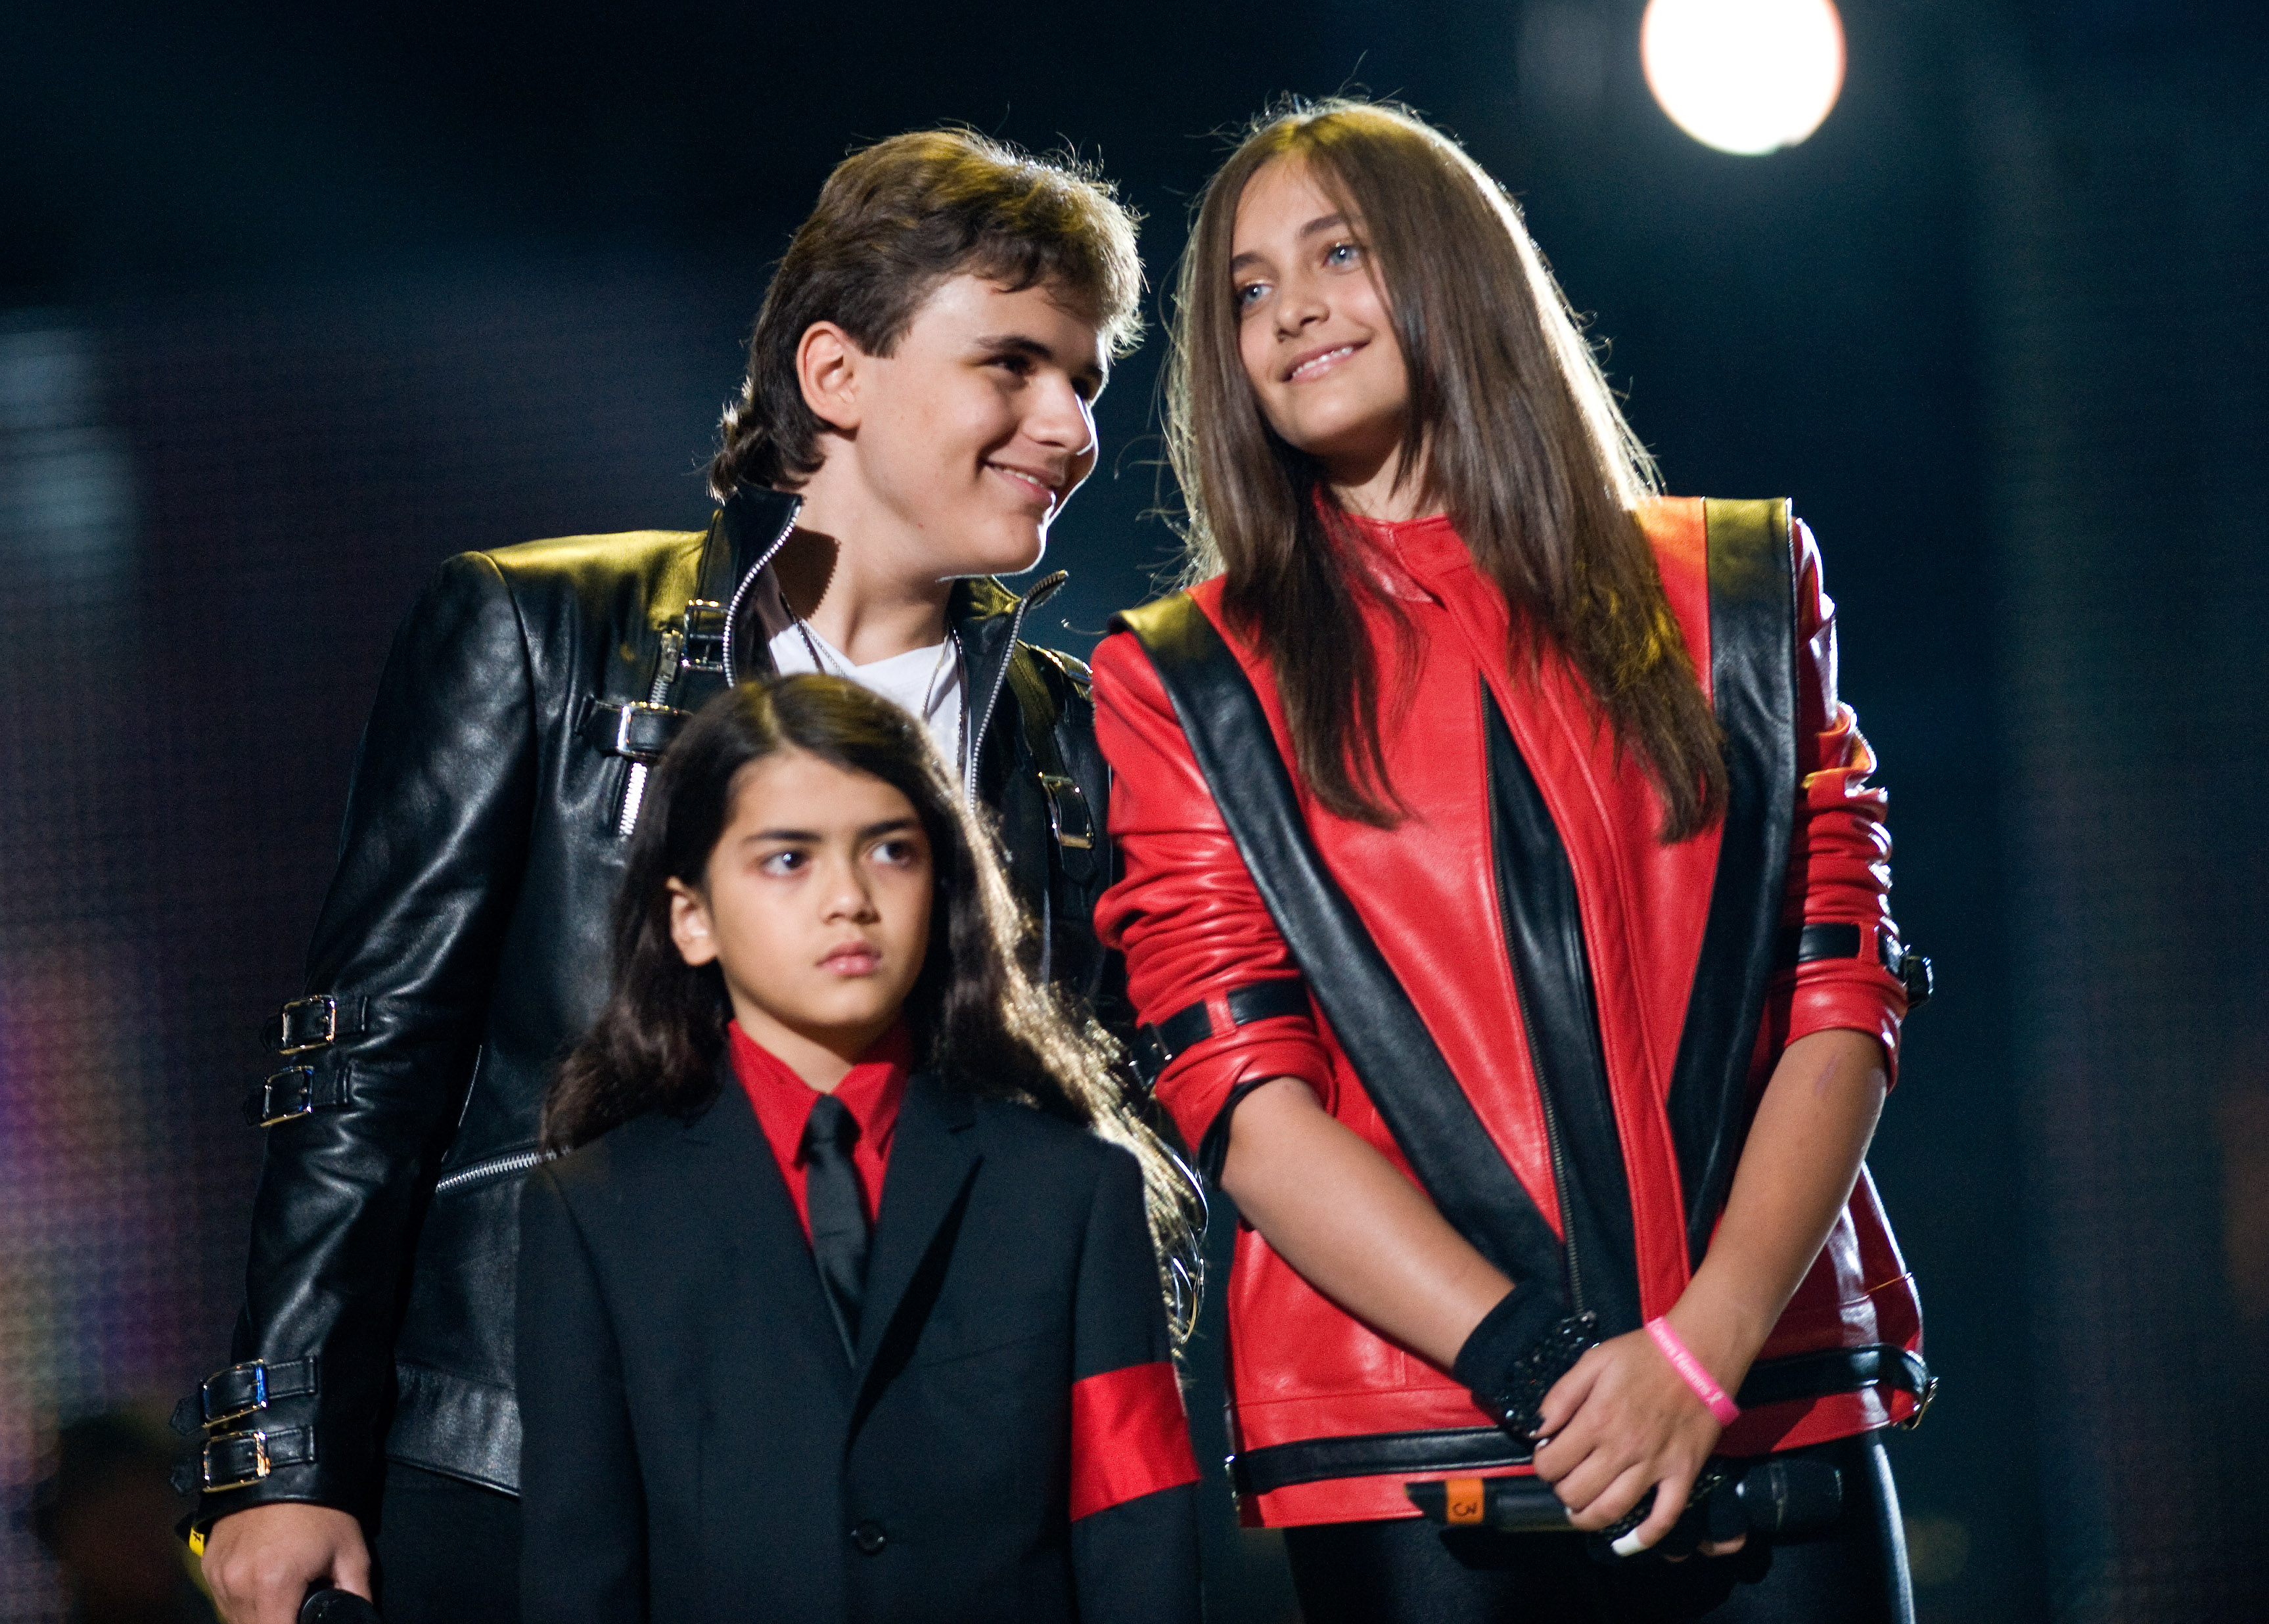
(1743, 76)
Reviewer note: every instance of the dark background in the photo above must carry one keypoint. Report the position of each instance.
(296, 301)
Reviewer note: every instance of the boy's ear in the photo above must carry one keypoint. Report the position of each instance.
(690, 926)
(828, 365)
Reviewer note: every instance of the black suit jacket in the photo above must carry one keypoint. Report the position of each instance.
(696, 1447)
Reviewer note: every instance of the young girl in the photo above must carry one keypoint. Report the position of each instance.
(1538, 1011)
(839, 1304)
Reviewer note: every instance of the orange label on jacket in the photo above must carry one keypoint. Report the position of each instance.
(1466, 1500)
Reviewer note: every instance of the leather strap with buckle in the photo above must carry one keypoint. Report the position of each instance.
(1156, 1046)
(239, 1459)
(632, 728)
(314, 1022)
(240, 1390)
(296, 1091)
(1801, 944)
(1069, 818)
(704, 630)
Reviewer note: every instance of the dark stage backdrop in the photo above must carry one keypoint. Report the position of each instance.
(292, 307)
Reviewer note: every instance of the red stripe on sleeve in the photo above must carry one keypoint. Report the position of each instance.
(1129, 1437)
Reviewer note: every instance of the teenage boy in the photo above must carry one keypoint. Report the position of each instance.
(918, 409)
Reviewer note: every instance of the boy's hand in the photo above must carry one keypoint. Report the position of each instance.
(1620, 1422)
(261, 1563)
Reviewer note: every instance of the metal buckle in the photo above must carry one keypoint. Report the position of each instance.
(288, 1039)
(1054, 785)
(1922, 1407)
(632, 709)
(1910, 969)
(259, 1369)
(705, 635)
(260, 1464)
(304, 1076)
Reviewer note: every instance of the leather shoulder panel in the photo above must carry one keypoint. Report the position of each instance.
(1753, 690)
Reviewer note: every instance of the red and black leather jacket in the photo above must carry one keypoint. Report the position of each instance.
(1600, 1001)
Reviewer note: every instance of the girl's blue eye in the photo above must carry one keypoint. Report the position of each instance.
(1245, 297)
(1343, 254)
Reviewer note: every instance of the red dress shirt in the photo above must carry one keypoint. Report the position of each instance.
(783, 1103)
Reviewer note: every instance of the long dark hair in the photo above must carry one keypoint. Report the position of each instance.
(978, 1019)
(1518, 436)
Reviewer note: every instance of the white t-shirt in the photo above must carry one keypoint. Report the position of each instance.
(926, 683)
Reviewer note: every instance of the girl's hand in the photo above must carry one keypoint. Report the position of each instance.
(1624, 1421)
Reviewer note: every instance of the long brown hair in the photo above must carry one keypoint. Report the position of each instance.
(978, 1019)
(1511, 427)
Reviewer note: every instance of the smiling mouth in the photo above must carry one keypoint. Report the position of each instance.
(1316, 364)
(1031, 483)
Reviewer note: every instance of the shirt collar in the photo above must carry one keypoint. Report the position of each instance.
(871, 1090)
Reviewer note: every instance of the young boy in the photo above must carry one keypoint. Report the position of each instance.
(918, 408)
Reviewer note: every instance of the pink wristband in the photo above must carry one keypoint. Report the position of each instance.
(1690, 1370)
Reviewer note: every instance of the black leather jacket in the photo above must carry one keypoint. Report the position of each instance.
(463, 944)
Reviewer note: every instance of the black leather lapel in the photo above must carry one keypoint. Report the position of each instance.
(1552, 972)
(1380, 1030)
(932, 1158)
(1753, 687)
(732, 1173)
(750, 525)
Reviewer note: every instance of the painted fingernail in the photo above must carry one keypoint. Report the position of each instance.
(1630, 1545)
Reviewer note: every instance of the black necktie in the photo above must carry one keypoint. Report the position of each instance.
(839, 1218)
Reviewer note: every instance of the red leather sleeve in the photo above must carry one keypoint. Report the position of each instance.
(1840, 861)
(1185, 911)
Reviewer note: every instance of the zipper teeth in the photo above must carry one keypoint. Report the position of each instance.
(496, 1167)
(733, 608)
(1560, 1184)
(993, 703)
(665, 678)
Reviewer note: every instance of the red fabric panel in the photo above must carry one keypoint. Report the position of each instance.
(1129, 1437)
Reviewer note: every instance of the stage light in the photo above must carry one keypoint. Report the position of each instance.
(1743, 76)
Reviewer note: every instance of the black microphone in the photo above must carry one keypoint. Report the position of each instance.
(331, 1606)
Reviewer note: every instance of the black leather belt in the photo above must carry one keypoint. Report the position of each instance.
(235, 1459)
(635, 729)
(1801, 944)
(1481, 1448)
(1156, 1046)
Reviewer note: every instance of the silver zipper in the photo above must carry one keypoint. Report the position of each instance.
(733, 608)
(495, 1167)
(1042, 591)
(665, 678)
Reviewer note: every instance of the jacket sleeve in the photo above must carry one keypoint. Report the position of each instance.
(1185, 910)
(1134, 1478)
(582, 1516)
(1839, 859)
(431, 854)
